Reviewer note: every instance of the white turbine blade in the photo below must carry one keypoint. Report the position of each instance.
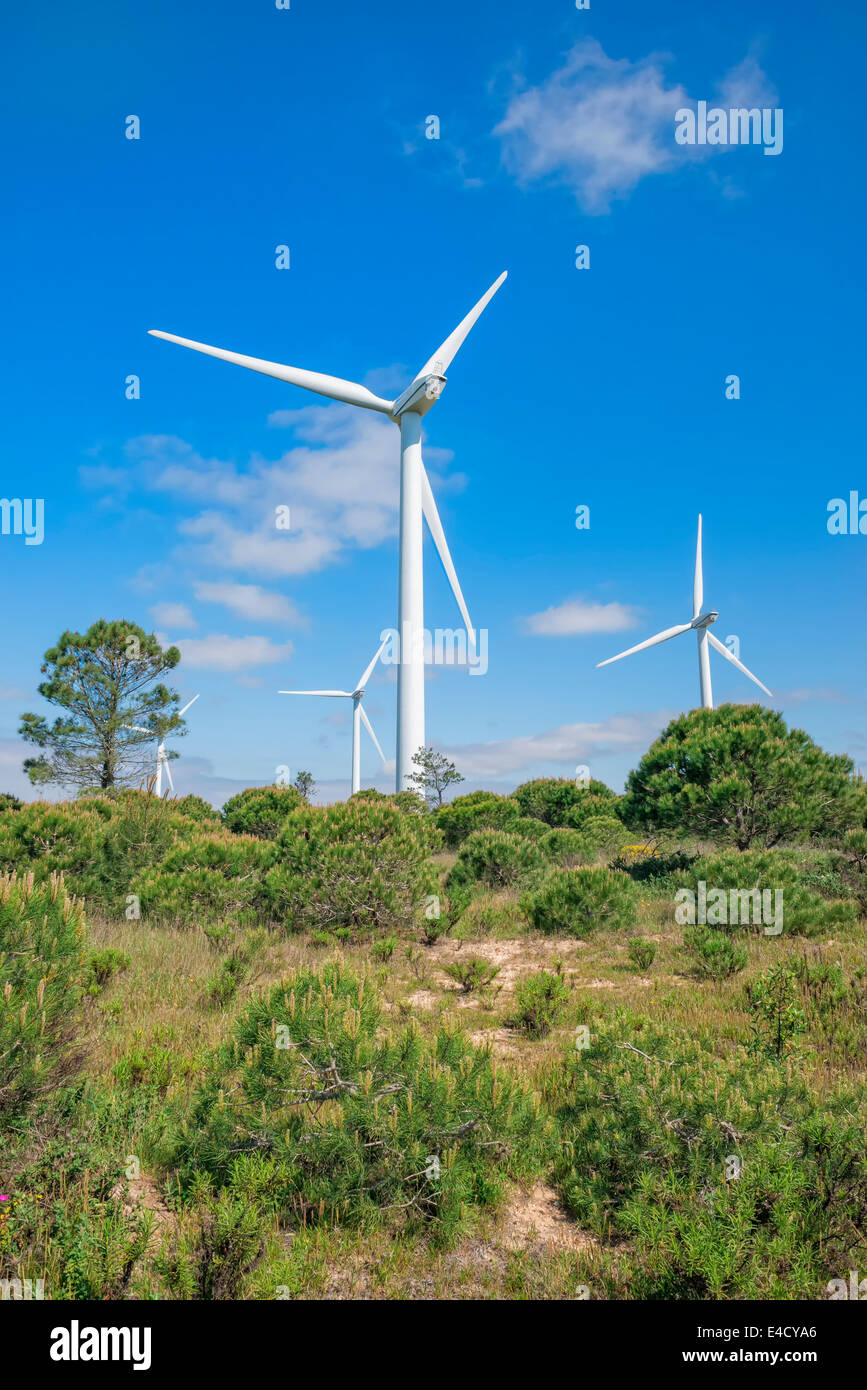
(439, 363)
(651, 642)
(724, 651)
(365, 677)
(698, 581)
(369, 727)
(134, 728)
(183, 711)
(348, 693)
(333, 386)
(168, 772)
(432, 517)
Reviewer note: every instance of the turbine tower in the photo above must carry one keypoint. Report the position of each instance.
(359, 716)
(162, 755)
(416, 501)
(701, 623)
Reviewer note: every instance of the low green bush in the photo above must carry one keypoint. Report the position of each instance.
(476, 811)
(713, 954)
(642, 953)
(261, 811)
(565, 847)
(319, 1114)
(539, 1001)
(41, 970)
(472, 972)
(560, 801)
(576, 902)
(751, 873)
(208, 876)
(496, 858)
(362, 866)
(102, 965)
(726, 1178)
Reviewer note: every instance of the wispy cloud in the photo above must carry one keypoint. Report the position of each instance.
(339, 481)
(576, 618)
(221, 653)
(564, 747)
(176, 615)
(250, 601)
(600, 125)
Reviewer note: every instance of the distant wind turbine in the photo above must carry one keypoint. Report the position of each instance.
(416, 500)
(162, 755)
(359, 715)
(701, 623)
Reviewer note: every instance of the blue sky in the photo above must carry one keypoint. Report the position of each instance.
(603, 387)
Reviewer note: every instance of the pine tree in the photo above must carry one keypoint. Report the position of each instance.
(102, 679)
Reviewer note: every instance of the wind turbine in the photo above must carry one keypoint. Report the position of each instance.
(162, 755)
(359, 716)
(701, 623)
(416, 501)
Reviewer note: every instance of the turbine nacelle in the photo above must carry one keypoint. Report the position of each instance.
(705, 619)
(419, 396)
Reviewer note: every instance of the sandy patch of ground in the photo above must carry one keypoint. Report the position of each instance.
(143, 1194)
(535, 1218)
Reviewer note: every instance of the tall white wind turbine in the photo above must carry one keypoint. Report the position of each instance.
(359, 716)
(701, 623)
(163, 760)
(416, 501)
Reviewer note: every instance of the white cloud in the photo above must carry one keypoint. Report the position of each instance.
(600, 125)
(250, 601)
(566, 747)
(221, 653)
(575, 617)
(339, 480)
(11, 692)
(175, 615)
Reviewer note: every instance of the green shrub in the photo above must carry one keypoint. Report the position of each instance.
(41, 966)
(384, 948)
(738, 774)
(234, 969)
(530, 828)
(472, 972)
(216, 1248)
(804, 912)
(642, 953)
(10, 802)
(362, 866)
(650, 1122)
(101, 965)
(475, 811)
(43, 838)
(576, 902)
(555, 799)
(777, 1015)
(496, 858)
(261, 811)
(589, 807)
(602, 835)
(197, 809)
(565, 847)
(487, 915)
(539, 1001)
(206, 877)
(318, 1113)
(714, 955)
